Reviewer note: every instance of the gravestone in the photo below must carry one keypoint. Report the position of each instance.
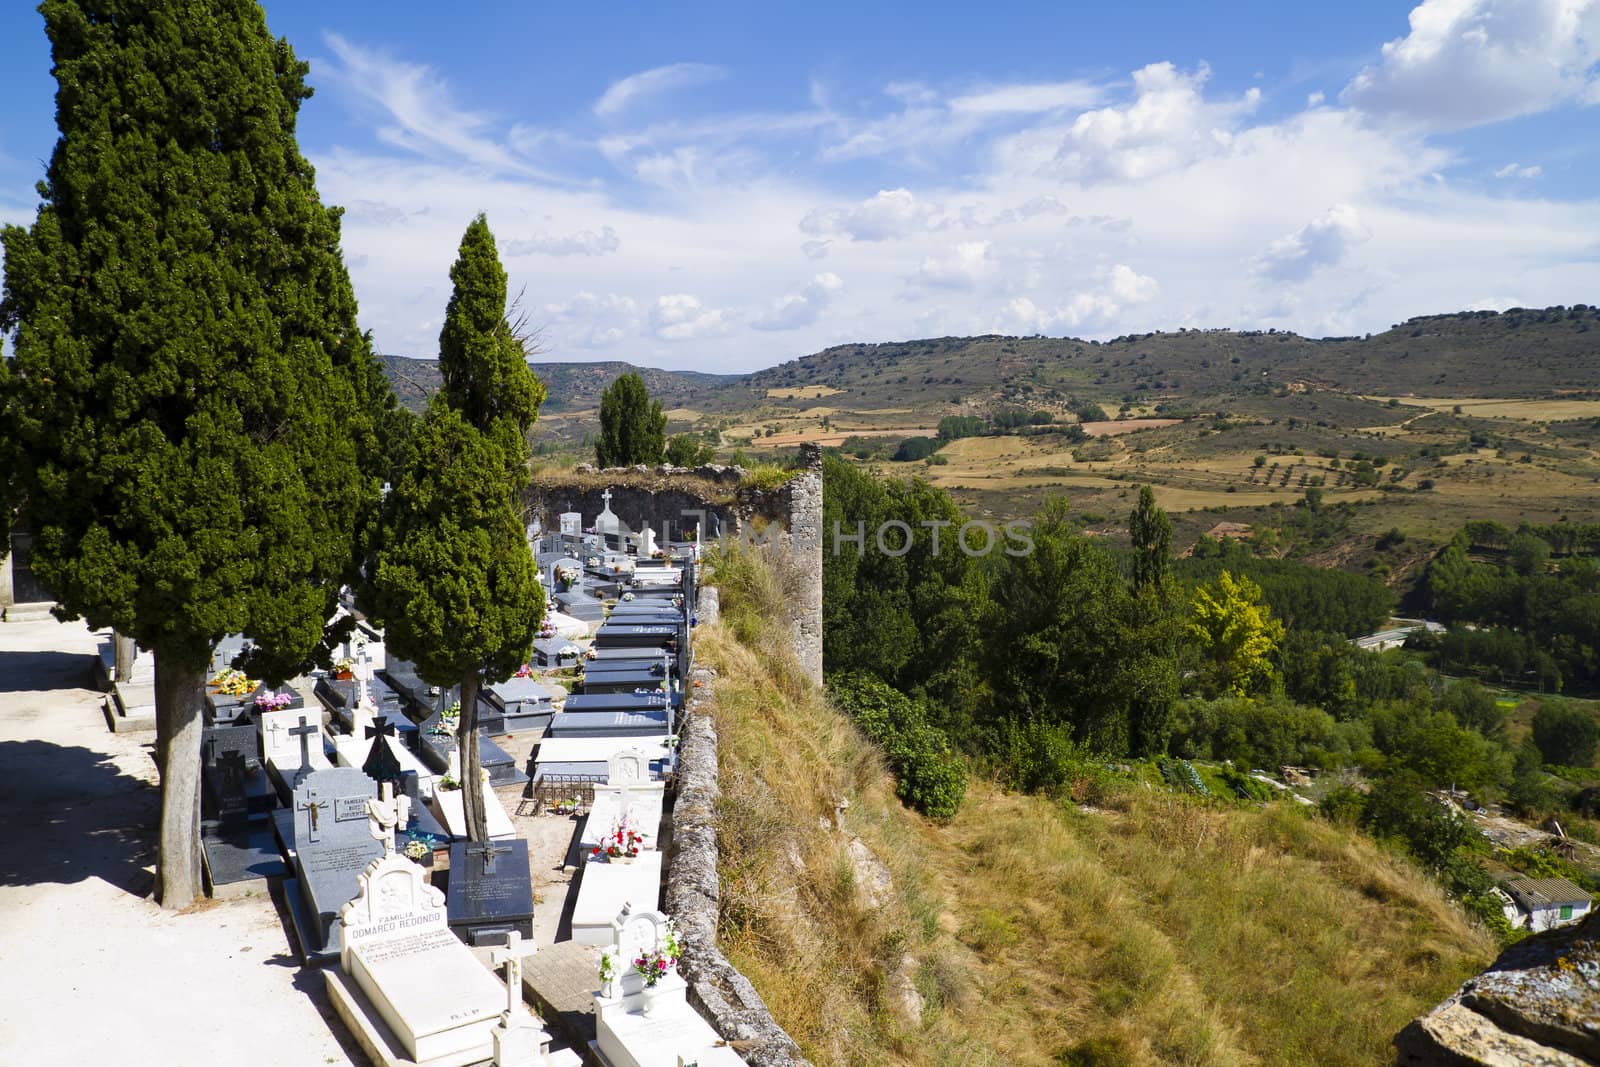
(523, 704)
(331, 848)
(607, 522)
(571, 524)
(491, 890)
(237, 850)
(436, 742)
(609, 723)
(518, 1041)
(555, 652)
(626, 635)
(401, 967)
(287, 746)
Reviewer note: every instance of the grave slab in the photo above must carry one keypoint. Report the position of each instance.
(332, 846)
(447, 805)
(491, 891)
(608, 724)
(605, 888)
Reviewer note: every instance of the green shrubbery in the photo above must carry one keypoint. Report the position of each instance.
(932, 778)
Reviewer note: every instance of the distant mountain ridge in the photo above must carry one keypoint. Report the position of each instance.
(568, 386)
(1520, 352)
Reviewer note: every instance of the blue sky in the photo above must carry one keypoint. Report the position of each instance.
(728, 186)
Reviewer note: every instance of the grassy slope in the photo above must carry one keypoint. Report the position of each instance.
(1153, 930)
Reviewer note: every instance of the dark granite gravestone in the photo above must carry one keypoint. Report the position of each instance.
(628, 681)
(555, 652)
(237, 849)
(339, 696)
(580, 605)
(435, 743)
(491, 891)
(227, 709)
(423, 698)
(622, 702)
(609, 724)
(521, 703)
(625, 635)
(332, 845)
(226, 743)
(381, 764)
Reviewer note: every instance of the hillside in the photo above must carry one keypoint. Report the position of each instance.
(1135, 927)
(568, 386)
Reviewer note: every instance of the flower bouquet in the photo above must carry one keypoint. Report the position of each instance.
(273, 701)
(344, 668)
(654, 966)
(524, 671)
(234, 683)
(627, 597)
(621, 845)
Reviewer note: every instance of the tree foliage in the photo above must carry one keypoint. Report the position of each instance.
(1566, 735)
(452, 580)
(632, 425)
(193, 413)
(1151, 533)
(1235, 633)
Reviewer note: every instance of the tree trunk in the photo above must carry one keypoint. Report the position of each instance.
(180, 693)
(125, 652)
(471, 760)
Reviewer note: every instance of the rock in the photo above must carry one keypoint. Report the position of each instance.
(1538, 1004)
(707, 606)
(904, 998)
(874, 883)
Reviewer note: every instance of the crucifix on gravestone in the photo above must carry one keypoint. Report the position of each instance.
(488, 850)
(304, 732)
(511, 958)
(312, 805)
(386, 815)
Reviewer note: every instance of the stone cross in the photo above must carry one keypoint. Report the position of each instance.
(276, 728)
(304, 732)
(386, 815)
(453, 764)
(511, 958)
(606, 496)
(311, 805)
(363, 672)
(488, 850)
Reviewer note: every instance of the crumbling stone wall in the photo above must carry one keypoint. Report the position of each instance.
(693, 893)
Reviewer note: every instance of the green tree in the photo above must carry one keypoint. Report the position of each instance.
(1566, 735)
(632, 426)
(686, 450)
(1235, 632)
(453, 582)
(1151, 533)
(192, 408)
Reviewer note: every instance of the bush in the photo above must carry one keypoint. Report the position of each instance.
(1565, 735)
(932, 778)
(915, 448)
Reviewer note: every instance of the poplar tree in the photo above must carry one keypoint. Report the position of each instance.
(192, 409)
(452, 580)
(633, 428)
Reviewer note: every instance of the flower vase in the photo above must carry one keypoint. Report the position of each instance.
(647, 1000)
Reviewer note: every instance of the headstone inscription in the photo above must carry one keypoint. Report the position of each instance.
(332, 846)
(491, 890)
(438, 1002)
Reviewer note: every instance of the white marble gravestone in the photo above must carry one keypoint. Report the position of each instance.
(644, 1026)
(281, 748)
(607, 522)
(572, 523)
(608, 886)
(647, 542)
(439, 1004)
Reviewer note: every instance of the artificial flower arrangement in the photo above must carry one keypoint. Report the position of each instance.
(234, 683)
(419, 846)
(591, 653)
(627, 597)
(273, 701)
(622, 842)
(592, 561)
(524, 671)
(654, 966)
(344, 668)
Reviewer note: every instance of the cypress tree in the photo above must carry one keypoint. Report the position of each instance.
(453, 581)
(1151, 533)
(633, 428)
(193, 409)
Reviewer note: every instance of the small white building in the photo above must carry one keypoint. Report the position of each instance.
(1545, 903)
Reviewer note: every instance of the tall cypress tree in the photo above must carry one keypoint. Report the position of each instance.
(193, 407)
(453, 581)
(633, 428)
(1151, 533)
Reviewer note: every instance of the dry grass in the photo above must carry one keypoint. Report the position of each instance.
(803, 392)
(1492, 408)
(1160, 931)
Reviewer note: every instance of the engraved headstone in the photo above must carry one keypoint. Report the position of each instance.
(332, 846)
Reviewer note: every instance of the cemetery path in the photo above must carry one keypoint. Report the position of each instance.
(92, 967)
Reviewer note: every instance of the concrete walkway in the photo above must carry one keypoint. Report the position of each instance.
(92, 969)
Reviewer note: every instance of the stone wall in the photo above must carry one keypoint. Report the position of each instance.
(693, 893)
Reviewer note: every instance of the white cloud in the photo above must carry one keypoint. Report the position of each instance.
(816, 249)
(1128, 286)
(1516, 170)
(1028, 99)
(418, 112)
(1469, 62)
(803, 308)
(628, 91)
(1087, 309)
(1322, 242)
(581, 243)
(681, 317)
(893, 213)
(963, 267)
(1168, 125)
(592, 321)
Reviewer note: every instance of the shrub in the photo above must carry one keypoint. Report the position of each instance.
(932, 778)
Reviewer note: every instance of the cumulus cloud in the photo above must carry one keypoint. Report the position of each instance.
(893, 213)
(1516, 170)
(682, 317)
(795, 310)
(1168, 125)
(594, 321)
(582, 243)
(628, 91)
(1322, 242)
(966, 265)
(1470, 62)
(1086, 309)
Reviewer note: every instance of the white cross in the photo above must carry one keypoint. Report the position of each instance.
(385, 816)
(511, 958)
